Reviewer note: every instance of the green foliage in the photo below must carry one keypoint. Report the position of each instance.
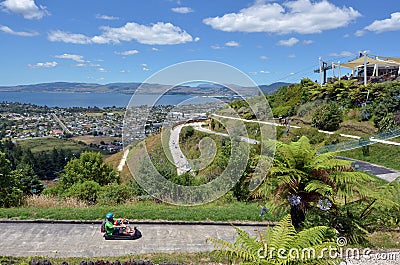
(30, 182)
(11, 193)
(356, 216)
(238, 104)
(188, 132)
(312, 134)
(186, 179)
(282, 111)
(386, 109)
(281, 244)
(328, 117)
(380, 154)
(308, 108)
(144, 210)
(47, 163)
(299, 170)
(85, 191)
(89, 166)
(115, 194)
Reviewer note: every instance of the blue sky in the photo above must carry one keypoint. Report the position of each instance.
(99, 41)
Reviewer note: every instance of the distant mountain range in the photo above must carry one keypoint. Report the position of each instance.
(270, 89)
(130, 88)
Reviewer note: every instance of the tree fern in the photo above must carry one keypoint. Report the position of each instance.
(279, 245)
(299, 170)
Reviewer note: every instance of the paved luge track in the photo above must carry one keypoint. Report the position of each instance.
(85, 240)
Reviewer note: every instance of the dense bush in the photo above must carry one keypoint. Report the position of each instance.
(86, 191)
(328, 117)
(282, 111)
(89, 166)
(114, 194)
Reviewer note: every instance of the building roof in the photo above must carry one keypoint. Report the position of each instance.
(390, 61)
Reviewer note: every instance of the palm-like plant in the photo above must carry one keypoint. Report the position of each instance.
(309, 179)
(281, 244)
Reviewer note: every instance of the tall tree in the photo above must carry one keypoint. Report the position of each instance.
(10, 187)
(89, 166)
(30, 183)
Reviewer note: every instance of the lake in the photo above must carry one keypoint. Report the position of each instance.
(67, 100)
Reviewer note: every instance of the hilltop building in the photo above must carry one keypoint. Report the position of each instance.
(378, 69)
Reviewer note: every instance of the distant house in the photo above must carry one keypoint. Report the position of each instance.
(57, 132)
(111, 148)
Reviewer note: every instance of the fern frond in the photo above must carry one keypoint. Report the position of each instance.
(310, 237)
(319, 187)
(282, 233)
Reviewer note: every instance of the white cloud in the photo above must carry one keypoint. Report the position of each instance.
(66, 37)
(306, 42)
(154, 49)
(8, 30)
(196, 39)
(145, 69)
(359, 33)
(27, 8)
(290, 42)
(215, 47)
(105, 17)
(342, 54)
(298, 16)
(144, 64)
(102, 70)
(127, 53)
(43, 65)
(292, 55)
(263, 57)
(182, 10)
(159, 33)
(389, 24)
(75, 57)
(264, 72)
(232, 44)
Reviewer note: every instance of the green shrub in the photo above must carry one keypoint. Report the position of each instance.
(55, 190)
(188, 132)
(282, 111)
(13, 198)
(328, 117)
(86, 191)
(114, 194)
(308, 108)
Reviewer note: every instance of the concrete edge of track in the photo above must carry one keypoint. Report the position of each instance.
(139, 222)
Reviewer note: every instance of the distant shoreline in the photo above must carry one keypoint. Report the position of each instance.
(94, 99)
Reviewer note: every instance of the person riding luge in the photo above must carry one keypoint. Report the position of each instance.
(117, 226)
